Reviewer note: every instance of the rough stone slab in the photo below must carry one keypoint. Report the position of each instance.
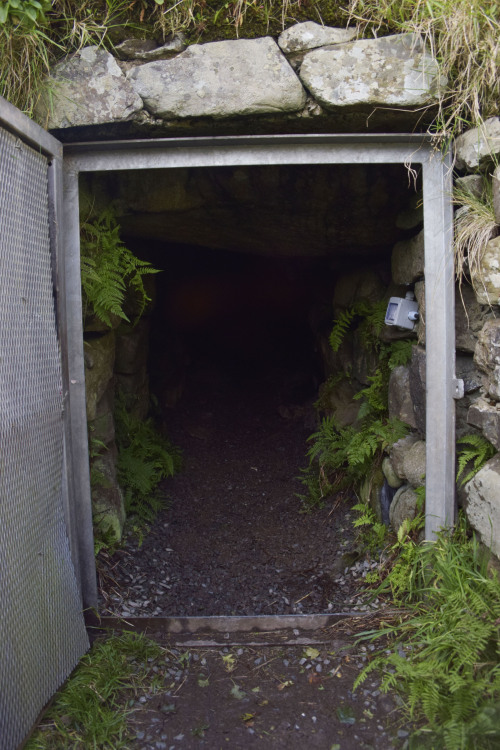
(483, 504)
(486, 417)
(220, 79)
(407, 260)
(309, 35)
(496, 194)
(478, 145)
(414, 464)
(395, 71)
(400, 403)
(89, 89)
(487, 282)
(398, 452)
(487, 356)
(403, 506)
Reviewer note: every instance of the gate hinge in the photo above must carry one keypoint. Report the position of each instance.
(458, 388)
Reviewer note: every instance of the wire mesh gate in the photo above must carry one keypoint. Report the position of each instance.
(42, 632)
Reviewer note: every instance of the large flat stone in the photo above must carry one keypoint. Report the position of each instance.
(479, 145)
(486, 417)
(309, 35)
(220, 79)
(487, 280)
(483, 503)
(487, 356)
(395, 71)
(88, 89)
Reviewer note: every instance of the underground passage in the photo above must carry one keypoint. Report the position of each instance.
(233, 353)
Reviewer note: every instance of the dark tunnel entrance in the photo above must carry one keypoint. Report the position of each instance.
(238, 352)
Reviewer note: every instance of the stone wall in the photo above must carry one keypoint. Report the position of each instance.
(310, 79)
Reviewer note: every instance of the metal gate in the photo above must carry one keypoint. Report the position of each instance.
(42, 631)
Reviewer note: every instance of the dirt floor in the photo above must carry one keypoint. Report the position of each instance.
(233, 541)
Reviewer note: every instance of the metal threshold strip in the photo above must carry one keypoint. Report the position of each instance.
(249, 630)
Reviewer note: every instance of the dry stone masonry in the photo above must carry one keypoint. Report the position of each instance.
(311, 78)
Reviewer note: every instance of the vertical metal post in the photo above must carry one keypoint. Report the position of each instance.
(75, 403)
(440, 345)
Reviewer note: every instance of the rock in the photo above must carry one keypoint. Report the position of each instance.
(400, 403)
(419, 291)
(88, 89)
(108, 510)
(135, 391)
(132, 346)
(128, 49)
(403, 506)
(358, 286)
(486, 281)
(473, 379)
(469, 318)
(99, 361)
(338, 401)
(148, 50)
(102, 428)
(417, 386)
(388, 471)
(370, 490)
(483, 503)
(487, 356)
(220, 79)
(479, 145)
(395, 71)
(472, 183)
(398, 452)
(414, 464)
(496, 194)
(309, 35)
(412, 216)
(407, 260)
(486, 417)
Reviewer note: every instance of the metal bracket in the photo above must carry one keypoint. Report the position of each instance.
(458, 388)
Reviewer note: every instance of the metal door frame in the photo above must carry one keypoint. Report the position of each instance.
(442, 386)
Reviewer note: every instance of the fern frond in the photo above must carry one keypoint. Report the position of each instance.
(476, 451)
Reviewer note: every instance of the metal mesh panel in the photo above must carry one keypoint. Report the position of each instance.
(42, 634)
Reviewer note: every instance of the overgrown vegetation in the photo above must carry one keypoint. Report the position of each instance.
(112, 276)
(145, 457)
(443, 654)
(343, 456)
(463, 35)
(91, 710)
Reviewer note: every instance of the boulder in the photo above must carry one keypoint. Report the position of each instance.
(99, 357)
(370, 492)
(472, 183)
(338, 401)
(309, 35)
(469, 316)
(358, 286)
(395, 71)
(132, 346)
(88, 88)
(102, 428)
(486, 417)
(414, 464)
(403, 506)
(478, 146)
(220, 79)
(108, 510)
(487, 356)
(135, 391)
(486, 280)
(483, 503)
(417, 386)
(398, 452)
(407, 260)
(400, 403)
(412, 216)
(391, 477)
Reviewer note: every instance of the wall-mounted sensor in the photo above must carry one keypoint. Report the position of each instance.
(402, 313)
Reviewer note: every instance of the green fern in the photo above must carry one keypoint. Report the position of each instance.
(472, 456)
(111, 274)
(144, 458)
(340, 327)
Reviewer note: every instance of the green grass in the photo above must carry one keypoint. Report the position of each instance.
(91, 709)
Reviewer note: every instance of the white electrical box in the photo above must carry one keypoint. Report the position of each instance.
(402, 312)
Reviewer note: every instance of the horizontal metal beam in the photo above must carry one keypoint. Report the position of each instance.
(18, 124)
(247, 151)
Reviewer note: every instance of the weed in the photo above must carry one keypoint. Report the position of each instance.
(464, 35)
(111, 274)
(474, 451)
(449, 667)
(91, 709)
(144, 458)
